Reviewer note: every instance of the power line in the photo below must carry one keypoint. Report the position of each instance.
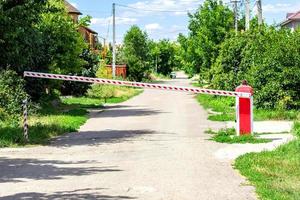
(154, 10)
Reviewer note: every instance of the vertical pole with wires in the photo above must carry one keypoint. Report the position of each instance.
(247, 15)
(259, 12)
(235, 9)
(114, 42)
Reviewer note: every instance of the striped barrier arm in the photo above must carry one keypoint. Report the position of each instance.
(135, 84)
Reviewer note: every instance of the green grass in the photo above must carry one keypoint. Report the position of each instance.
(157, 76)
(54, 119)
(229, 136)
(275, 174)
(225, 110)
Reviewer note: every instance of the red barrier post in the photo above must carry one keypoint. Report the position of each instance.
(244, 110)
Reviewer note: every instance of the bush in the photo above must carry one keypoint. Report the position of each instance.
(268, 59)
(296, 128)
(11, 95)
(88, 70)
(101, 91)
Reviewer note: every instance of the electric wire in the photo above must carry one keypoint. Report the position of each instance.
(154, 10)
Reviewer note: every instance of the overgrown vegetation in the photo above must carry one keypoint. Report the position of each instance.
(229, 136)
(55, 118)
(48, 121)
(275, 174)
(12, 95)
(110, 93)
(264, 55)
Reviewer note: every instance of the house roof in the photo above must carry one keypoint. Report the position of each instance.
(291, 17)
(71, 8)
(89, 30)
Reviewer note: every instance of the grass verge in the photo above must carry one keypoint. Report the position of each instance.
(223, 109)
(229, 136)
(54, 119)
(275, 174)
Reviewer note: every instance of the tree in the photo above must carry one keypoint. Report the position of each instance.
(268, 59)
(136, 52)
(166, 57)
(208, 27)
(20, 40)
(39, 36)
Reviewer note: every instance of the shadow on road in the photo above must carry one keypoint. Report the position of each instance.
(109, 112)
(92, 138)
(16, 169)
(70, 195)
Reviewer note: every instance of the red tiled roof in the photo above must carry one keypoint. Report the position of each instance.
(291, 17)
(71, 9)
(294, 16)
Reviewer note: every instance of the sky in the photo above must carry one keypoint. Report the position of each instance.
(163, 18)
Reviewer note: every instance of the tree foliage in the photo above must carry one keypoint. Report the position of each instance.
(10, 103)
(39, 36)
(166, 57)
(268, 59)
(136, 52)
(208, 27)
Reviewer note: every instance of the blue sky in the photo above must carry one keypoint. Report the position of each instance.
(150, 15)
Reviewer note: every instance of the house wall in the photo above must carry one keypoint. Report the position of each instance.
(121, 70)
(74, 17)
(293, 25)
(88, 37)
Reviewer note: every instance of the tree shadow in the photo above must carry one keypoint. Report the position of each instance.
(128, 112)
(82, 194)
(117, 106)
(16, 169)
(92, 138)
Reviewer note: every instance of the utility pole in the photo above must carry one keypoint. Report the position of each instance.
(247, 15)
(114, 42)
(259, 12)
(156, 64)
(236, 18)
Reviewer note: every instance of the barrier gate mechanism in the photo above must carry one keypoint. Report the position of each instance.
(244, 100)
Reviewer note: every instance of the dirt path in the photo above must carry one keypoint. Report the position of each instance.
(152, 147)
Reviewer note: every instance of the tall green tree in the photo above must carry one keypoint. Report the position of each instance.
(20, 40)
(40, 36)
(166, 57)
(136, 51)
(208, 27)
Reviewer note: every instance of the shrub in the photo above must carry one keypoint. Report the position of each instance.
(88, 70)
(268, 59)
(11, 95)
(99, 90)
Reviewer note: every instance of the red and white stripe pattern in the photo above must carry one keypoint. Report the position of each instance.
(25, 119)
(135, 84)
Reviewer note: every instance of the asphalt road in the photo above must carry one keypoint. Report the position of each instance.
(152, 147)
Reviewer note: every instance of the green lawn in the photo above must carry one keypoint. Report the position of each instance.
(49, 121)
(225, 110)
(229, 136)
(275, 174)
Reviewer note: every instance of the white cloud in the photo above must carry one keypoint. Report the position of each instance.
(108, 20)
(176, 7)
(152, 27)
(281, 8)
(74, 4)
